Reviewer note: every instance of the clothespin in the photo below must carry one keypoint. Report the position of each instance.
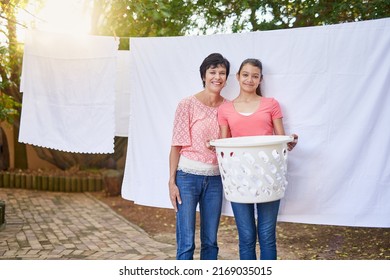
(115, 37)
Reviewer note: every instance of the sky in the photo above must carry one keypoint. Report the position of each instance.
(62, 16)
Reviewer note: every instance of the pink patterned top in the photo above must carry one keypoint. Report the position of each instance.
(194, 125)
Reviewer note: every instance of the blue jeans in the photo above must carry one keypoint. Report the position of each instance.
(207, 192)
(265, 230)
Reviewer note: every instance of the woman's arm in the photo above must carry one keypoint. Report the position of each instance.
(174, 193)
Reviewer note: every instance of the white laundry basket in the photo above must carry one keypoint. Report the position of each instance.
(253, 168)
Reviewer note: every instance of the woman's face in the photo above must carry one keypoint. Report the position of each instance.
(215, 78)
(249, 78)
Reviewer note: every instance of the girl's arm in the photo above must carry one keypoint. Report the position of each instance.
(278, 127)
(225, 131)
(279, 130)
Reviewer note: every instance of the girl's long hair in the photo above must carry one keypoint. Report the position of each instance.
(256, 63)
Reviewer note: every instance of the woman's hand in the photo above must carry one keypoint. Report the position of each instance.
(174, 195)
(209, 146)
(292, 144)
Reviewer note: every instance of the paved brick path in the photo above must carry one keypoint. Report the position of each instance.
(54, 225)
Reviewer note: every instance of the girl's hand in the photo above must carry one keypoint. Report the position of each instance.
(293, 143)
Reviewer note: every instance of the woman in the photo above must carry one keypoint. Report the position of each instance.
(252, 114)
(194, 174)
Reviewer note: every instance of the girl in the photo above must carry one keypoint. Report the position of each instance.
(252, 114)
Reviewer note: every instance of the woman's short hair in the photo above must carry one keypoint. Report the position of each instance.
(212, 61)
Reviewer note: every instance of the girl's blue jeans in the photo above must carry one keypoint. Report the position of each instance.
(207, 192)
(265, 229)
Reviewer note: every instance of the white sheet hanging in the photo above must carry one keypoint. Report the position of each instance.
(68, 85)
(333, 83)
(122, 101)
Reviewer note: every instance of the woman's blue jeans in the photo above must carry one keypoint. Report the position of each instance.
(265, 229)
(207, 192)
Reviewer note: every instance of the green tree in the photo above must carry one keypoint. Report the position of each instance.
(140, 18)
(254, 15)
(10, 70)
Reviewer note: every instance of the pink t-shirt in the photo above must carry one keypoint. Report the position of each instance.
(194, 124)
(258, 123)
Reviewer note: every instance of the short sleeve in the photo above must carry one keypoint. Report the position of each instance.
(222, 119)
(181, 125)
(276, 110)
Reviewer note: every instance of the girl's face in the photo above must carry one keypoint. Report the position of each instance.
(249, 78)
(215, 78)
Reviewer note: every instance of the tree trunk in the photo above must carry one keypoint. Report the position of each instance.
(20, 158)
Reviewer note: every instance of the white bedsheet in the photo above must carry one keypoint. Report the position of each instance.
(68, 84)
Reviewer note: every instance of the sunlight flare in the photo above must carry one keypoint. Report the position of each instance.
(65, 16)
